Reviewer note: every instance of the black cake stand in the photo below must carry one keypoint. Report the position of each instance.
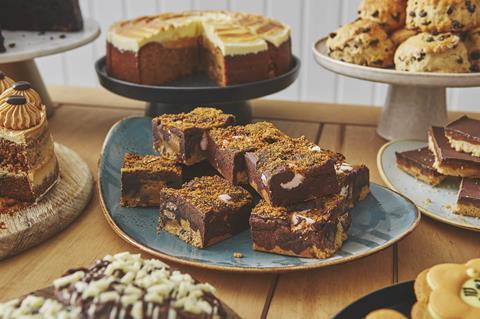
(197, 90)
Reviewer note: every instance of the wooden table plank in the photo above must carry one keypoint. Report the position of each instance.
(322, 293)
(90, 237)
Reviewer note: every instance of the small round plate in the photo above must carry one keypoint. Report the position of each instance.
(379, 221)
(34, 44)
(197, 89)
(399, 297)
(392, 76)
(435, 202)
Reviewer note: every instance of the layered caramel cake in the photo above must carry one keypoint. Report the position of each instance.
(230, 47)
(28, 165)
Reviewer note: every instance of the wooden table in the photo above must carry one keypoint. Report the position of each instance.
(81, 122)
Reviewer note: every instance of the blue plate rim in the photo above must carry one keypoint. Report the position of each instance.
(424, 210)
(237, 269)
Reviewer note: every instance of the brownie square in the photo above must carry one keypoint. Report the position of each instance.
(354, 181)
(447, 160)
(204, 211)
(182, 137)
(464, 135)
(301, 231)
(227, 147)
(468, 202)
(419, 164)
(291, 171)
(142, 177)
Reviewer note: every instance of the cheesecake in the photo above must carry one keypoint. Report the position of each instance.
(230, 47)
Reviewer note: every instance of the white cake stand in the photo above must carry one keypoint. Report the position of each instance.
(18, 61)
(415, 101)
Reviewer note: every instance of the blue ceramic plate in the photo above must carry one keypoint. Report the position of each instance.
(382, 219)
(436, 202)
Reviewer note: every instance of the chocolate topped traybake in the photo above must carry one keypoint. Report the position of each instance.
(464, 135)
(447, 160)
(143, 176)
(183, 137)
(301, 231)
(204, 211)
(291, 171)
(227, 147)
(231, 47)
(419, 164)
(468, 202)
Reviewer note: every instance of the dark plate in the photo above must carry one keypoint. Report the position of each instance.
(196, 89)
(400, 297)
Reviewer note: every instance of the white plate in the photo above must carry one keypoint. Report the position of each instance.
(436, 202)
(392, 76)
(33, 44)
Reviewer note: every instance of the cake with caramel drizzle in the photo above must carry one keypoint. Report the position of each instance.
(230, 47)
(28, 165)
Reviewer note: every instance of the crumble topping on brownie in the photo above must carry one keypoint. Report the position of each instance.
(298, 153)
(250, 136)
(212, 193)
(200, 117)
(139, 288)
(150, 162)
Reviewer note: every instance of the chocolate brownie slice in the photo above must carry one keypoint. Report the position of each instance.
(227, 147)
(143, 176)
(183, 137)
(354, 181)
(301, 231)
(291, 171)
(204, 211)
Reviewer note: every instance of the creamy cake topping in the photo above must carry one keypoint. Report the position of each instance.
(18, 114)
(5, 82)
(23, 88)
(233, 33)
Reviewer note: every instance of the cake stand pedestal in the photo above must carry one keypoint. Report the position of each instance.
(197, 90)
(18, 62)
(415, 101)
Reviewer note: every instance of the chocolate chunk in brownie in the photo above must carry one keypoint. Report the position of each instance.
(183, 137)
(227, 147)
(143, 176)
(301, 231)
(291, 171)
(204, 211)
(419, 164)
(354, 181)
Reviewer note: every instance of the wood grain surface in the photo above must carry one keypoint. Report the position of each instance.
(81, 123)
(29, 226)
